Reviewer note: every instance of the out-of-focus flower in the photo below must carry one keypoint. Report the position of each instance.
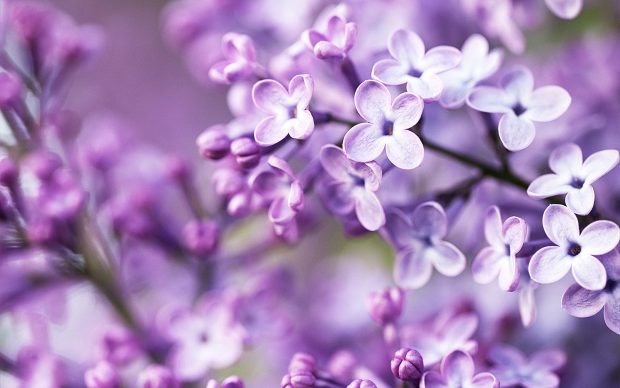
(354, 185)
(102, 375)
(414, 66)
(457, 370)
(513, 369)
(229, 382)
(332, 40)
(573, 250)
(385, 306)
(239, 59)
(566, 9)
(361, 383)
(581, 302)
(420, 246)
(496, 18)
(201, 237)
(387, 127)
(213, 143)
(573, 176)
(498, 260)
(287, 109)
(157, 376)
(407, 364)
(477, 64)
(520, 105)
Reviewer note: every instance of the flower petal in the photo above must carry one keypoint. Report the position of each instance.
(457, 368)
(454, 92)
(549, 265)
(369, 210)
(433, 380)
(548, 185)
(429, 220)
(493, 228)
(547, 103)
(406, 46)
(507, 356)
(372, 100)
(509, 275)
(611, 262)
(527, 305)
(270, 131)
(567, 9)
(404, 149)
(514, 233)
(612, 314)
(406, 110)
(489, 99)
(599, 164)
(447, 259)
(484, 380)
(390, 72)
(516, 132)
(428, 86)
(599, 237)
(335, 163)
(412, 269)
(441, 58)
(302, 126)
(580, 201)
(486, 265)
(566, 160)
(560, 224)
(589, 272)
(364, 142)
(582, 303)
(269, 95)
(300, 89)
(549, 360)
(541, 379)
(518, 82)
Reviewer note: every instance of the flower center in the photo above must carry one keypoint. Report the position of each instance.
(611, 285)
(292, 112)
(388, 127)
(358, 181)
(577, 183)
(203, 337)
(574, 249)
(518, 109)
(414, 73)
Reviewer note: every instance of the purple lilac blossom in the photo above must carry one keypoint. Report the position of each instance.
(513, 369)
(239, 59)
(334, 38)
(457, 370)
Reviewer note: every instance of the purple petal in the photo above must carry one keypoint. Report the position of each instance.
(567, 9)
(269, 96)
(454, 91)
(611, 262)
(599, 164)
(527, 305)
(566, 160)
(429, 220)
(399, 229)
(580, 201)
(548, 185)
(390, 72)
(475, 49)
(549, 265)
(484, 380)
(581, 303)
(514, 233)
(404, 149)
(447, 258)
(547, 103)
(371, 173)
(518, 82)
(364, 142)
(441, 58)
(327, 50)
(509, 275)
(600, 237)
(549, 360)
(493, 228)
(296, 197)
(302, 126)
(238, 46)
(279, 212)
(486, 265)
(372, 100)
(516, 132)
(457, 368)
(542, 380)
(281, 165)
(335, 163)
(406, 46)
(406, 110)
(350, 36)
(433, 380)
(312, 37)
(369, 210)
(337, 197)
(300, 90)
(428, 86)
(560, 224)
(270, 131)
(612, 314)
(504, 355)
(589, 272)
(412, 269)
(460, 329)
(489, 99)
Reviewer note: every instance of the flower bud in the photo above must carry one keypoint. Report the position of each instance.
(157, 376)
(232, 382)
(359, 383)
(200, 237)
(246, 151)
(342, 365)
(385, 306)
(213, 143)
(302, 362)
(407, 365)
(240, 204)
(299, 379)
(102, 375)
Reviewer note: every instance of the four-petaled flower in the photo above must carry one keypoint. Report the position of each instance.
(354, 187)
(387, 127)
(581, 303)
(414, 66)
(566, 9)
(421, 247)
(477, 64)
(573, 176)
(573, 250)
(334, 40)
(513, 369)
(287, 109)
(499, 260)
(520, 105)
(239, 59)
(457, 371)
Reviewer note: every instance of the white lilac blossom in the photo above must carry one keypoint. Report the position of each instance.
(580, 302)
(353, 188)
(513, 369)
(287, 110)
(387, 127)
(477, 64)
(411, 64)
(421, 246)
(574, 176)
(498, 260)
(457, 370)
(573, 250)
(520, 105)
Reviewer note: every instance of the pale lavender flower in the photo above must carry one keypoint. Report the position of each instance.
(354, 187)
(287, 110)
(498, 260)
(478, 63)
(566, 9)
(573, 250)
(520, 105)
(334, 39)
(457, 371)
(580, 302)
(573, 176)
(414, 66)
(513, 369)
(239, 59)
(420, 246)
(387, 127)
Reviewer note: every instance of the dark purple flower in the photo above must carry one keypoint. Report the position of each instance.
(239, 59)
(513, 369)
(457, 370)
(407, 364)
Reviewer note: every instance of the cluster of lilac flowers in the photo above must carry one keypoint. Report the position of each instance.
(365, 151)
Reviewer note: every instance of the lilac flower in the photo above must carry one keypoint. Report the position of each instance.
(497, 20)
(580, 302)
(387, 127)
(334, 40)
(420, 246)
(413, 65)
(498, 260)
(103, 375)
(573, 176)
(477, 64)
(157, 376)
(513, 369)
(239, 59)
(520, 105)
(354, 187)
(457, 371)
(573, 250)
(566, 9)
(288, 110)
